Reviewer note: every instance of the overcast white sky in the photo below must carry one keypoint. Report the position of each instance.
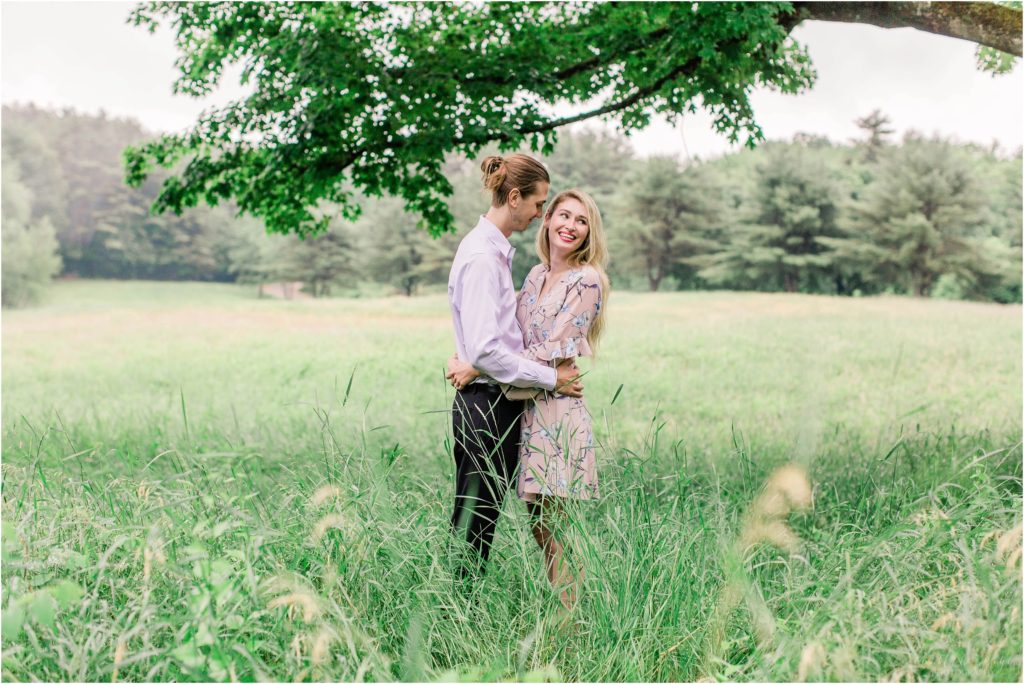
(84, 55)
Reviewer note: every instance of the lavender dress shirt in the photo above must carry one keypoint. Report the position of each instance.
(483, 303)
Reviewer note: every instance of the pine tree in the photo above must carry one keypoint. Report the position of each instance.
(776, 242)
(663, 220)
(921, 218)
(875, 125)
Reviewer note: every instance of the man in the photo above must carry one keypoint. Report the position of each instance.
(487, 336)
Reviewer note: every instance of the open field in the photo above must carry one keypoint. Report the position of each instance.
(162, 444)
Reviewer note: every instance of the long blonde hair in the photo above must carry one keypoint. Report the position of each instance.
(592, 252)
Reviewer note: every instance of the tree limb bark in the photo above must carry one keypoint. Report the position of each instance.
(985, 23)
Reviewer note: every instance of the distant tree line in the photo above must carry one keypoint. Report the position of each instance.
(920, 216)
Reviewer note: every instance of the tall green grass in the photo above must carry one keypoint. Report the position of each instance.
(201, 485)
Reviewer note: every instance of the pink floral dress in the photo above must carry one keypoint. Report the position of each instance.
(557, 447)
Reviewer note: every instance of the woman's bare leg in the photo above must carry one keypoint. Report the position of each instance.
(554, 552)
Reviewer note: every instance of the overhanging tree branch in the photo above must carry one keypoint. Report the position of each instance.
(985, 23)
(380, 101)
(687, 68)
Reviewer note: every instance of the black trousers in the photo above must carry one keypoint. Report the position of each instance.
(486, 430)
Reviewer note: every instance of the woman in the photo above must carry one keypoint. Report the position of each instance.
(560, 309)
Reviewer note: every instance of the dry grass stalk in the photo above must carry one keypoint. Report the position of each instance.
(296, 646)
(944, 620)
(1013, 561)
(1008, 546)
(119, 653)
(295, 601)
(841, 662)
(151, 552)
(904, 673)
(787, 489)
(928, 515)
(993, 652)
(1009, 541)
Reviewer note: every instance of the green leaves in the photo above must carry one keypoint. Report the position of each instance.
(994, 61)
(189, 655)
(11, 621)
(9, 541)
(40, 607)
(43, 609)
(373, 96)
(66, 593)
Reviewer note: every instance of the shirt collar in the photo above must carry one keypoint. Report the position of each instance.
(496, 238)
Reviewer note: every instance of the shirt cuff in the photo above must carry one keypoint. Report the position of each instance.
(549, 377)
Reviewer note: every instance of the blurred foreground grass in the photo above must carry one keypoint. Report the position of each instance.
(162, 444)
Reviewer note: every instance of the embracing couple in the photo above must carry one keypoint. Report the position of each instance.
(519, 416)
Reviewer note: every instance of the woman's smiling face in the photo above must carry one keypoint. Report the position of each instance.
(568, 227)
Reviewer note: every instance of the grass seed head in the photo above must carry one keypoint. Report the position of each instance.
(928, 515)
(944, 620)
(295, 601)
(1008, 541)
(791, 481)
(903, 673)
(811, 660)
(321, 646)
(1012, 562)
(786, 489)
(323, 494)
(329, 521)
(770, 505)
(774, 532)
(764, 626)
(842, 663)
